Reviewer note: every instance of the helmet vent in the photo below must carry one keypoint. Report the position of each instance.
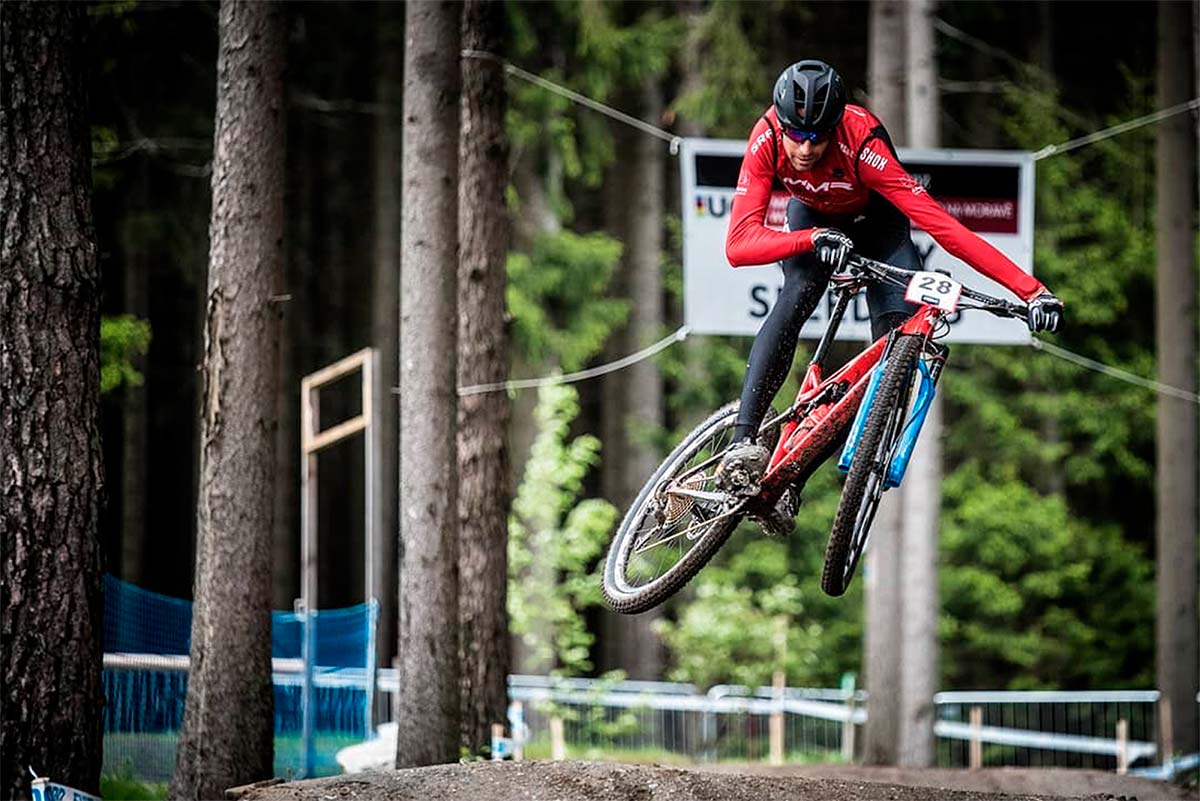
(820, 98)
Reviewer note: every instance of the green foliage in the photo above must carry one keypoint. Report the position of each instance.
(725, 633)
(597, 49)
(556, 297)
(1045, 578)
(1035, 596)
(731, 94)
(554, 539)
(1092, 251)
(122, 786)
(122, 339)
(593, 721)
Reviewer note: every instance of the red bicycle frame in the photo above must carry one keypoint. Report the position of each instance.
(832, 402)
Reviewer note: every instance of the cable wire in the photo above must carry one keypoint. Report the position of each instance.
(674, 141)
(574, 96)
(962, 36)
(1115, 130)
(1123, 375)
(679, 335)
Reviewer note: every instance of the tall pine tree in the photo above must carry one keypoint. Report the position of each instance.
(228, 730)
(51, 476)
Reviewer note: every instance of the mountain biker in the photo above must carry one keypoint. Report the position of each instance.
(848, 191)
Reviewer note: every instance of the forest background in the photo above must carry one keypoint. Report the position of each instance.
(1047, 538)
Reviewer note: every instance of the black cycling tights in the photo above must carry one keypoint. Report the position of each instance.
(881, 233)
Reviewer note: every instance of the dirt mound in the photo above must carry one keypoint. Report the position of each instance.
(604, 781)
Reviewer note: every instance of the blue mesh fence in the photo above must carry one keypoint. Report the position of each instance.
(146, 642)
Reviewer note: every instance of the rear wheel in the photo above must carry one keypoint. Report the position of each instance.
(677, 522)
(872, 457)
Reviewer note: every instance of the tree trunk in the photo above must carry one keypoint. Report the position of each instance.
(882, 636)
(921, 494)
(429, 671)
(133, 402)
(634, 398)
(1177, 624)
(616, 638)
(691, 61)
(886, 64)
(385, 310)
(51, 467)
(227, 737)
(483, 500)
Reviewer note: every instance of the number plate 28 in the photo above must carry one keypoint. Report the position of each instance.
(934, 289)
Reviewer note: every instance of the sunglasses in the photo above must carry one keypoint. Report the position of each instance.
(796, 135)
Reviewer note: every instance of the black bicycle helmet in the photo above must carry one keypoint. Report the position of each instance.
(810, 96)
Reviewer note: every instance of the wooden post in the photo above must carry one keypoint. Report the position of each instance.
(374, 572)
(976, 751)
(497, 736)
(1122, 746)
(778, 682)
(518, 730)
(558, 745)
(1166, 732)
(775, 728)
(312, 441)
(848, 730)
(310, 415)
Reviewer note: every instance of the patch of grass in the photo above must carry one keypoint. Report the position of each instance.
(122, 786)
(289, 753)
(540, 749)
(147, 758)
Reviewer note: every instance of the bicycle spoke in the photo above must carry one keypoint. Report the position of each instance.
(687, 532)
(684, 507)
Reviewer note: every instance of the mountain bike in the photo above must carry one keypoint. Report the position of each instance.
(872, 407)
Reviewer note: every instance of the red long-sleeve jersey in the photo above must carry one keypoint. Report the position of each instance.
(856, 163)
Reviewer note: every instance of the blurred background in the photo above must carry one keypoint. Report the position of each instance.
(1048, 498)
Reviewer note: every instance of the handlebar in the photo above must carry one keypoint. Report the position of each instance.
(886, 272)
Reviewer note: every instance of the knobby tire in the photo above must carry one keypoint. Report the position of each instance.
(880, 431)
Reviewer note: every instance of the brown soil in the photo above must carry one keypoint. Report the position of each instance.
(606, 781)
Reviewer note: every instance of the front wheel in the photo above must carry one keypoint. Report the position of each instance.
(865, 481)
(677, 522)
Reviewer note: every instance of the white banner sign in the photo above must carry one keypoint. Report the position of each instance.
(990, 192)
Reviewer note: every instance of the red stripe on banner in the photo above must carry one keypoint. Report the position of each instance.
(983, 215)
